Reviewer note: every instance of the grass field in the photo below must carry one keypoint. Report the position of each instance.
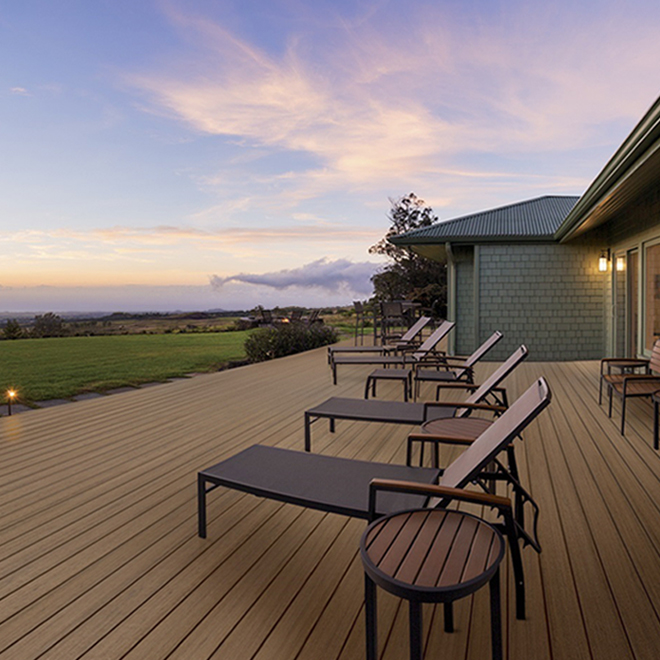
(41, 369)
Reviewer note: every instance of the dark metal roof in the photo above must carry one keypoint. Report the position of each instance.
(532, 219)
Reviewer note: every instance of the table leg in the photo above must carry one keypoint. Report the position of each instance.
(370, 614)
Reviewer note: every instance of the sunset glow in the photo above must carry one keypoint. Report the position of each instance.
(171, 155)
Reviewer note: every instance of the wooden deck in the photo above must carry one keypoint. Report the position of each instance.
(99, 556)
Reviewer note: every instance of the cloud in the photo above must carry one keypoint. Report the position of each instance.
(19, 91)
(333, 276)
(434, 98)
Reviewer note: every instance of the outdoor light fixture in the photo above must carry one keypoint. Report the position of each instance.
(620, 264)
(604, 258)
(11, 395)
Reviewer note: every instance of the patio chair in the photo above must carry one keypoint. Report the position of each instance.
(419, 354)
(454, 368)
(369, 490)
(392, 320)
(407, 340)
(624, 365)
(627, 386)
(487, 396)
(359, 321)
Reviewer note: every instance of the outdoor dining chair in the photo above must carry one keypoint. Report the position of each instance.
(627, 386)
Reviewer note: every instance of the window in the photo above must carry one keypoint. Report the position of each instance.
(652, 294)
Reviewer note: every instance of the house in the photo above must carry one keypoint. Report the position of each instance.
(574, 278)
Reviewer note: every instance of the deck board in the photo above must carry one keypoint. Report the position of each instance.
(99, 557)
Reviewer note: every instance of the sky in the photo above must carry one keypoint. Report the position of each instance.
(220, 154)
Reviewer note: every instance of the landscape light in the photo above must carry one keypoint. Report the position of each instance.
(11, 395)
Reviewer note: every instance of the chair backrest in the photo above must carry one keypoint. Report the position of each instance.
(438, 334)
(392, 309)
(497, 436)
(495, 379)
(654, 363)
(483, 349)
(415, 329)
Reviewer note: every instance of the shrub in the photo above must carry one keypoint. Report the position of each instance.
(13, 329)
(270, 343)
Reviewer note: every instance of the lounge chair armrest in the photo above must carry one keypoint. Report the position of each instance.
(473, 406)
(454, 385)
(445, 439)
(503, 504)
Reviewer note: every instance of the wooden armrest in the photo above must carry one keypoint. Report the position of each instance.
(640, 361)
(435, 490)
(472, 406)
(462, 386)
(432, 437)
(630, 362)
(630, 377)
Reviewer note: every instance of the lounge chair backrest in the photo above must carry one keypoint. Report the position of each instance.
(497, 436)
(495, 379)
(433, 340)
(483, 349)
(654, 362)
(415, 329)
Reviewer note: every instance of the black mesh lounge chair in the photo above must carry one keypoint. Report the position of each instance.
(368, 490)
(408, 340)
(489, 395)
(428, 348)
(444, 371)
(452, 368)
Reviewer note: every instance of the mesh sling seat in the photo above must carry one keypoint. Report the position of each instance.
(409, 340)
(452, 368)
(421, 353)
(369, 490)
(489, 396)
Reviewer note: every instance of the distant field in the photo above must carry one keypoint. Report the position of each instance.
(42, 369)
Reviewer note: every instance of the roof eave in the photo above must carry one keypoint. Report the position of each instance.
(638, 146)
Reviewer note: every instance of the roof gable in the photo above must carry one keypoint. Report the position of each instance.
(537, 218)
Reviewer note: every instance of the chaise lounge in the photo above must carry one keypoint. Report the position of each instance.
(428, 348)
(369, 490)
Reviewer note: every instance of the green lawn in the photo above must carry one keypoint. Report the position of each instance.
(41, 369)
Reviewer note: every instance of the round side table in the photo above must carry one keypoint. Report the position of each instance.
(430, 556)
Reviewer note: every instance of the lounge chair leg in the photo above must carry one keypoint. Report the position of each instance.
(600, 391)
(201, 507)
(516, 561)
(366, 388)
(609, 411)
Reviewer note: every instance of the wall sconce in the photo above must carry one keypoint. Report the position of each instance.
(604, 258)
(620, 264)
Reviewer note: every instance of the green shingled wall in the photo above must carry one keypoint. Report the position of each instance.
(550, 297)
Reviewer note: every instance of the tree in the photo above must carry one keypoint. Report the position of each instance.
(409, 276)
(12, 329)
(48, 325)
